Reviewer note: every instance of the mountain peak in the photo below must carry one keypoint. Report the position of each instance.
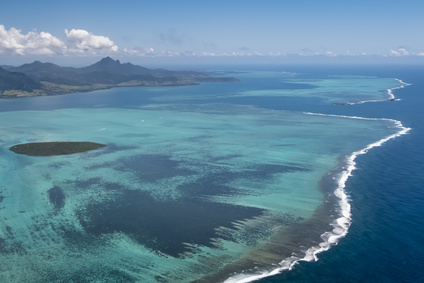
(35, 63)
(108, 60)
(108, 65)
(35, 66)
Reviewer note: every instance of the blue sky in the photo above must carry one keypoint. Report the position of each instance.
(211, 31)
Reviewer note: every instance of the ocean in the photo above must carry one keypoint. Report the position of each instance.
(294, 173)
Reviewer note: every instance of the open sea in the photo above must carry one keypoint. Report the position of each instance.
(293, 174)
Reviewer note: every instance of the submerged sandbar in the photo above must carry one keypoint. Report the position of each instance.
(54, 148)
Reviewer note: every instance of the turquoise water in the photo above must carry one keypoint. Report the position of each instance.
(195, 182)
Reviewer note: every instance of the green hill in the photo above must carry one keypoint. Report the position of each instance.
(39, 78)
(17, 81)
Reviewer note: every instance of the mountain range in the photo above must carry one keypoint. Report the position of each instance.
(39, 78)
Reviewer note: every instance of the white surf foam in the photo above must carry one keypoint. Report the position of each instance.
(389, 92)
(342, 223)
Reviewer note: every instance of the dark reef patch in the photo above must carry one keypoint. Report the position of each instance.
(267, 170)
(54, 148)
(152, 167)
(216, 184)
(10, 245)
(90, 273)
(225, 157)
(56, 197)
(207, 186)
(162, 226)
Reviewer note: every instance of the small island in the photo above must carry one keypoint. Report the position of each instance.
(54, 148)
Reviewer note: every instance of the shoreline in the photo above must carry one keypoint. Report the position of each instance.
(70, 89)
(65, 89)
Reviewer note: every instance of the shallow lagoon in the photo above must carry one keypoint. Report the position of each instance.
(186, 186)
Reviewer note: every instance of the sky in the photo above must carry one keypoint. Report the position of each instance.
(192, 31)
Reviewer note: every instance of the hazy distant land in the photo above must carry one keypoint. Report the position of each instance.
(37, 78)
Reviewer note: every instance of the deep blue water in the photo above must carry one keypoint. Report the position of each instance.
(386, 240)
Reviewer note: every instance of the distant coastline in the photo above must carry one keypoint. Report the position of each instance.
(42, 79)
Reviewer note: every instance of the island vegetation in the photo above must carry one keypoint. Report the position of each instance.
(37, 78)
(54, 148)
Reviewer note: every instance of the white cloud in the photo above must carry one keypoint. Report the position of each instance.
(208, 54)
(12, 41)
(170, 53)
(140, 51)
(394, 53)
(276, 54)
(399, 52)
(189, 53)
(82, 41)
(244, 52)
